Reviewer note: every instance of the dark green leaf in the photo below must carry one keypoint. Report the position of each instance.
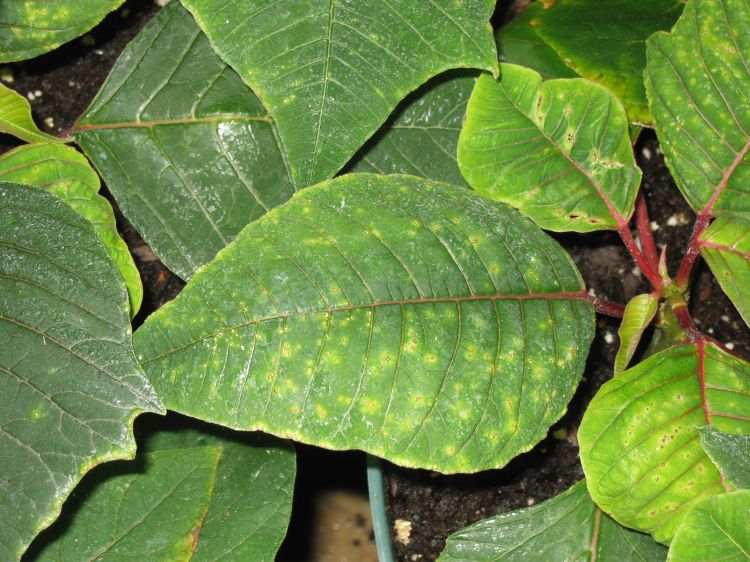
(186, 149)
(331, 72)
(558, 150)
(63, 171)
(31, 27)
(715, 529)
(697, 79)
(70, 386)
(639, 439)
(604, 41)
(567, 527)
(415, 320)
(730, 454)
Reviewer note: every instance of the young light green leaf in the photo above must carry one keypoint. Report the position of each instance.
(63, 171)
(414, 320)
(730, 454)
(15, 117)
(697, 80)
(725, 246)
(715, 529)
(566, 527)
(186, 149)
(195, 493)
(559, 150)
(422, 136)
(608, 45)
(29, 28)
(519, 43)
(639, 439)
(333, 71)
(70, 385)
(639, 313)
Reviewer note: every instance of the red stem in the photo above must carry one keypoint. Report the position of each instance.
(682, 279)
(608, 308)
(640, 259)
(643, 223)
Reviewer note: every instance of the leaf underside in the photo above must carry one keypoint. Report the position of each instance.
(639, 439)
(559, 150)
(333, 71)
(16, 119)
(697, 79)
(566, 527)
(715, 529)
(730, 454)
(411, 319)
(193, 493)
(639, 312)
(70, 385)
(186, 149)
(29, 28)
(61, 170)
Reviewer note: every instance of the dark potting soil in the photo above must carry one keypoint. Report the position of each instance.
(63, 83)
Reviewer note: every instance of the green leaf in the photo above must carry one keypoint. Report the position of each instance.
(559, 150)
(608, 45)
(422, 136)
(566, 527)
(15, 116)
(333, 71)
(639, 439)
(730, 454)
(186, 149)
(29, 28)
(63, 171)
(194, 493)
(519, 43)
(70, 385)
(715, 529)
(697, 80)
(639, 313)
(725, 246)
(415, 320)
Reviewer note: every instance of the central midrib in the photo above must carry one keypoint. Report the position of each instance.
(158, 122)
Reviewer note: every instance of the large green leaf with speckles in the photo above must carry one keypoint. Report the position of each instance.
(567, 527)
(639, 439)
(70, 385)
(715, 529)
(697, 79)
(414, 320)
(65, 172)
(730, 454)
(186, 149)
(194, 492)
(557, 150)
(421, 137)
(608, 44)
(331, 72)
(725, 246)
(31, 27)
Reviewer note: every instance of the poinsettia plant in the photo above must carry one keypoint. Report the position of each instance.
(390, 309)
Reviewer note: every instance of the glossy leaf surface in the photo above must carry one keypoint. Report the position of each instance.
(63, 171)
(725, 246)
(70, 385)
(421, 137)
(29, 28)
(566, 527)
(16, 119)
(639, 312)
(697, 81)
(333, 71)
(639, 440)
(715, 529)
(519, 43)
(558, 150)
(194, 492)
(608, 44)
(730, 454)
(414, 320)
(186, 149)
